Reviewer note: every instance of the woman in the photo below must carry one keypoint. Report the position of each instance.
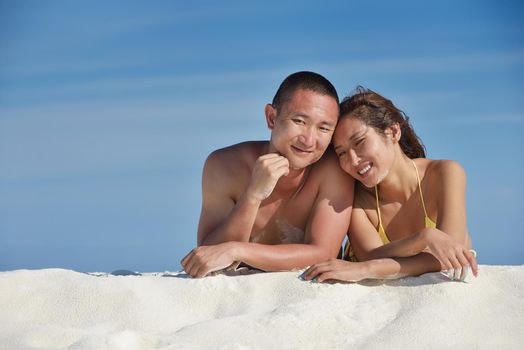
(409, 212)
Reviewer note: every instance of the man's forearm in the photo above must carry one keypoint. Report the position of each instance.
(237, 226)
(281, 257)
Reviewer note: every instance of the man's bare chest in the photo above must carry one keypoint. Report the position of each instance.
(282, 221)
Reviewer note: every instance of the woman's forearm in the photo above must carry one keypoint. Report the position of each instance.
(393, 268)
(406, 247)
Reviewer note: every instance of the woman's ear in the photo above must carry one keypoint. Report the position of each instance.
(395, 132)
(271, 115)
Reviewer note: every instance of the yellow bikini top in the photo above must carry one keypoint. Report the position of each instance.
(428, 223)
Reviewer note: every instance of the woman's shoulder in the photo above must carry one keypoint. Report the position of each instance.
(364, 197)
(438, 172)
(442, 167)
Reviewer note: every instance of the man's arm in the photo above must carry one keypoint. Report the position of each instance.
(327, 225)
(223, 220)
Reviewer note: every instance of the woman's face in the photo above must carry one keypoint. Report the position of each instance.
(363, 153)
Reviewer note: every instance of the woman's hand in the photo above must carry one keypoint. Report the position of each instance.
(336, 269)
(454, 257)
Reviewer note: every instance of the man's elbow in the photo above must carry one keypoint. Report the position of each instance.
(324, 253)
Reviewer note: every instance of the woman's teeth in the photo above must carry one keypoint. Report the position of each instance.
(364, 170)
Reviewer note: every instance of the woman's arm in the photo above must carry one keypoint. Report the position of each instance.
(448, 242)
(452, 254)
(386, 268)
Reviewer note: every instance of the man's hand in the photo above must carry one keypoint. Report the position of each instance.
(268, 169)
(205, 259)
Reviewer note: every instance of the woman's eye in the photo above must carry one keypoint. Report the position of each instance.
(340, 154)
(359, 141)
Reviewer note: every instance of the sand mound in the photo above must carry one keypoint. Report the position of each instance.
(58, 309)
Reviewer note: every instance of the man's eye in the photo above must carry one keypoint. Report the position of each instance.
(299, 121)
(324, 129)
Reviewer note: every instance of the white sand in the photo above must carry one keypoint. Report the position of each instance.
(59, 309)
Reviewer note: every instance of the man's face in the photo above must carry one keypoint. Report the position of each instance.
(302, 127)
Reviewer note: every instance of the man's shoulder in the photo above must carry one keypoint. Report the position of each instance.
(328, 172)
(235, 159)
(243, 152)
(327, 163)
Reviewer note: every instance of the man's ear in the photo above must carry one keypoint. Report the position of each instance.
(396, 133)
(271, 115)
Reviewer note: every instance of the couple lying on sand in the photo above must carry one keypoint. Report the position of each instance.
(287, 203)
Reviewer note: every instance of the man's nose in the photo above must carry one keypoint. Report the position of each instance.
(307, 137)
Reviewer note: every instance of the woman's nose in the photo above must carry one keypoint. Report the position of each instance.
(354, 159)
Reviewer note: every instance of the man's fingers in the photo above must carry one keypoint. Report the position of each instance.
(281, 170)
(202, 271)
(186, 258)
(191, 267)
(269, 156)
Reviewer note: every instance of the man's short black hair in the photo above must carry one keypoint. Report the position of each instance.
(303, 80)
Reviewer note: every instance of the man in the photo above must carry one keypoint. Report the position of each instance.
(278, 204)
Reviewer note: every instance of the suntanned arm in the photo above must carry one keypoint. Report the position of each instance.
(326, 228)
(450, 179)
(327, 225)
(222, 219)
(364, 242)
(389, 268)
(386, 268)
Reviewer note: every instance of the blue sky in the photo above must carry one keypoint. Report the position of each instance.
(108, 110)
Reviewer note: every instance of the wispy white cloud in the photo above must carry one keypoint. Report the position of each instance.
(432, 64)
(356, 69)
(487, 120)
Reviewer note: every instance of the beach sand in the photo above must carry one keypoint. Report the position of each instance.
(63, 309)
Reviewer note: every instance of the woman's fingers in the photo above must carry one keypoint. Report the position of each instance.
(334, 269)
(471, 255)
(457, 265)
(326, 276)
(465, 265)
(315, 270)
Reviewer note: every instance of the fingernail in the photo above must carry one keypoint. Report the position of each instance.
(314, 280)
